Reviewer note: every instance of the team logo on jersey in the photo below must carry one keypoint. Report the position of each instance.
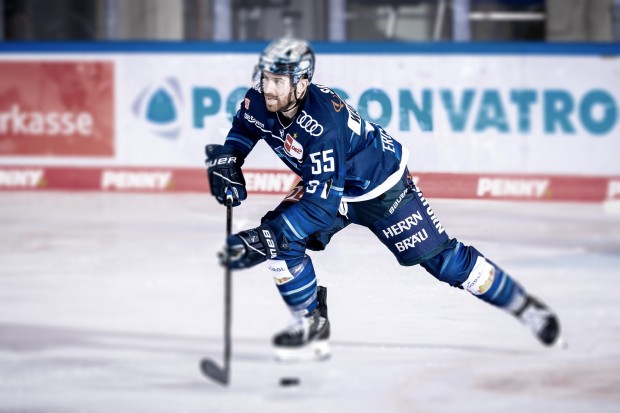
(338, 105)
(309, 124)
(246, 103)
(293, 148)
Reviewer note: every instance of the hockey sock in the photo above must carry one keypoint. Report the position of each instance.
(490, 283)
(299, 288)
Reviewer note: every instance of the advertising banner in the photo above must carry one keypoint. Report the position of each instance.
(56, 109)
(496, 114)
(485, 126)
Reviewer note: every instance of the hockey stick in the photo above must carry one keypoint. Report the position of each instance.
(208, 367)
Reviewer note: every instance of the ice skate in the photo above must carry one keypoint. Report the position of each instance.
(307, 338)
(542, 321)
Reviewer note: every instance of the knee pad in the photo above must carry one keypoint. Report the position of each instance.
(480, 279)
(490, 283)
(279, 271)
(297, 285)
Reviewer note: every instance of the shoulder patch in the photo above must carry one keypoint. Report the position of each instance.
(337, 103)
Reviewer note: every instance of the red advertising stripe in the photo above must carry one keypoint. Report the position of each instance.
(540, 187)
(56, 108)
(23, 178)
(443, 185)
(279, 182)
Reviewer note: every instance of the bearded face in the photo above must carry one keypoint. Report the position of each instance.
(278, 91)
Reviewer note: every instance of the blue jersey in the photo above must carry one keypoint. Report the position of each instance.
(338, 155)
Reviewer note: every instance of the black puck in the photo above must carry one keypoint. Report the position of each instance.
(289, 381)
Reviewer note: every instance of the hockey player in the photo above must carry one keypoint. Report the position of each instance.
(352, 172)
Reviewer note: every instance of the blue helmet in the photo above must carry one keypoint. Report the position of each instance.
(288, 56)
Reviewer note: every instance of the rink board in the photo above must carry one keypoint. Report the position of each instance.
(500, 121)
(278, 182)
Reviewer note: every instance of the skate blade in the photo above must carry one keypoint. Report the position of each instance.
(314, 351)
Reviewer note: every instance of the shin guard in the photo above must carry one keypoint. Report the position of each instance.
(297, 285)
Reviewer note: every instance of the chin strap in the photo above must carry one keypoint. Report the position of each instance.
(294, 104)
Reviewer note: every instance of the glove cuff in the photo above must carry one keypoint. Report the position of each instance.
(217, 151)
(268, 239)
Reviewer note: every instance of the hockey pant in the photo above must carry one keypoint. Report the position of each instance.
(405, 223)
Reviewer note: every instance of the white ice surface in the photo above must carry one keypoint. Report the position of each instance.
(109, 301)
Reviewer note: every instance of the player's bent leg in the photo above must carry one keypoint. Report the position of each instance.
(306, 338)
(465, 267)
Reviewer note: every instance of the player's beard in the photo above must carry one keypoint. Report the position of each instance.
(276, 103)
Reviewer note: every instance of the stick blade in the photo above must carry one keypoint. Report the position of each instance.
(212, 371)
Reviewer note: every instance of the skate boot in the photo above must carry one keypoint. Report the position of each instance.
(307, 337)
(541, 320)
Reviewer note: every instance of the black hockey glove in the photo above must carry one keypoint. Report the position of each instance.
(251, 247)
(224, 171)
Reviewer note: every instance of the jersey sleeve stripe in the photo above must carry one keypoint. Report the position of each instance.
(241, 140)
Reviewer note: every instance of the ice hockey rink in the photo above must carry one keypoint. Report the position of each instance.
(108, 301)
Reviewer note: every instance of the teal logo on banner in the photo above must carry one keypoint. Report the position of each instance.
(159, 107)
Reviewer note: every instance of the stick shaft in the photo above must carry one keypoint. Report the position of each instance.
(209, 367)
(228, 293)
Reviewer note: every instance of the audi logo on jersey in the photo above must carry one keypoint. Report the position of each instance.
(309, 124)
